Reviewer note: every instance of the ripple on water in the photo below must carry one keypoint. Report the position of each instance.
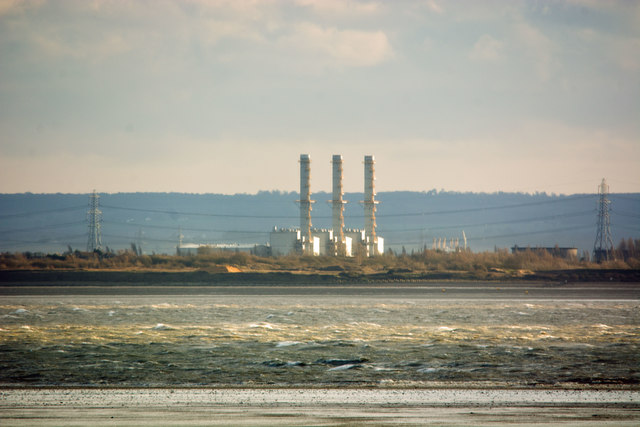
(163, 327)
(324, 341)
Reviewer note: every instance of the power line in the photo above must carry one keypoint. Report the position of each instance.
(48, 211)
(131, 239)
(515, 221)
(145, 239)
(505, 236)
(637, 230)
(621, 196)
(630, 215)
(424, 213)
(488, 208)
(530, 233)
(198, 213)
(43, 227)
(213, 230)
(167, 227)
(49, 240)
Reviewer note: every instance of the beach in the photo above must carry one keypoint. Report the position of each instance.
(201, 406)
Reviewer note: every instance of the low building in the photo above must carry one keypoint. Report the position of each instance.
(207, 248)
(284, 241)
(185, 249)
(288, 241)
(261, 250)
(325, 241)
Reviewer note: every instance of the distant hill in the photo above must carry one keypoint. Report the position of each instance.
(52, 222)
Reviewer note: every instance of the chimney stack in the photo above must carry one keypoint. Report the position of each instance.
(305, 202)
(370, 205)
(337, 204)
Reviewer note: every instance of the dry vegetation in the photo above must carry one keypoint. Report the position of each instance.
(480, 264)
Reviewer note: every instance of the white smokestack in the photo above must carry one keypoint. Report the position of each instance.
(305, 201)
(337, 203)
(370, 204)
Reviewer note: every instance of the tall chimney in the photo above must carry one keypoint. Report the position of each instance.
(305, 202)
(337, 204)
(370, 204)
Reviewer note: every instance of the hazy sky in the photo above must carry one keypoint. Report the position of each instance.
(223, 96)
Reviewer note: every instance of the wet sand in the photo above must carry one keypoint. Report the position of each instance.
(201, 406)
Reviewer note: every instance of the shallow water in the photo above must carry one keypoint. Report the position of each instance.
(399, 340)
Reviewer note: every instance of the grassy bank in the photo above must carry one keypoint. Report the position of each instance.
(229, 267)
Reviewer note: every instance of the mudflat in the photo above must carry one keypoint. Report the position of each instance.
(298, 406)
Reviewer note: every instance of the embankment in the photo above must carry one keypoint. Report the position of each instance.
(204, 278)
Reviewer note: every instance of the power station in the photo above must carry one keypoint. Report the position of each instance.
(337, 241)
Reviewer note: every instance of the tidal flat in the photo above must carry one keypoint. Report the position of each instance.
(325, 407)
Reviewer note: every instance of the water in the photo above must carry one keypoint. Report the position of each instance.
(337, 339)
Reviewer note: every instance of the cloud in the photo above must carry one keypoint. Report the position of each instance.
(88, 50)
(538, 47)
(336, 47)
(623, 51)
(626, 53)
(216, 31)
(76, 75)
(435, 7)
(13, 6)
(340, 7)
(6, 6)
(258, 32)
(487, 49)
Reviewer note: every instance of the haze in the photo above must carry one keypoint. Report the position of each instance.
(223, 96)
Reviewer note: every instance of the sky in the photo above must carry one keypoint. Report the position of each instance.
(223, 96)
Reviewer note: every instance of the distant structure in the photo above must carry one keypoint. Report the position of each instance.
(603, 246)
(337, 208)
(336, 241)
(185, 249)
(305, 204)
(453, 245)
(558, 252)
(94, 219)
(374, 244)
(284, 241)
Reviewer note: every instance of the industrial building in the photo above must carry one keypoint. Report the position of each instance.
(306, 240)
(336, 241)
(285, 241)
(207, 248)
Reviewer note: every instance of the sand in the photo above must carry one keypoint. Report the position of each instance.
(202, 406)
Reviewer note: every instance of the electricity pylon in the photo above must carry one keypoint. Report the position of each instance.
(94, 219)
(603, 247)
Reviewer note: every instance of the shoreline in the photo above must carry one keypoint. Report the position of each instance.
(430, 386)
(171, 396)
(36, 277)
(328, 407)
